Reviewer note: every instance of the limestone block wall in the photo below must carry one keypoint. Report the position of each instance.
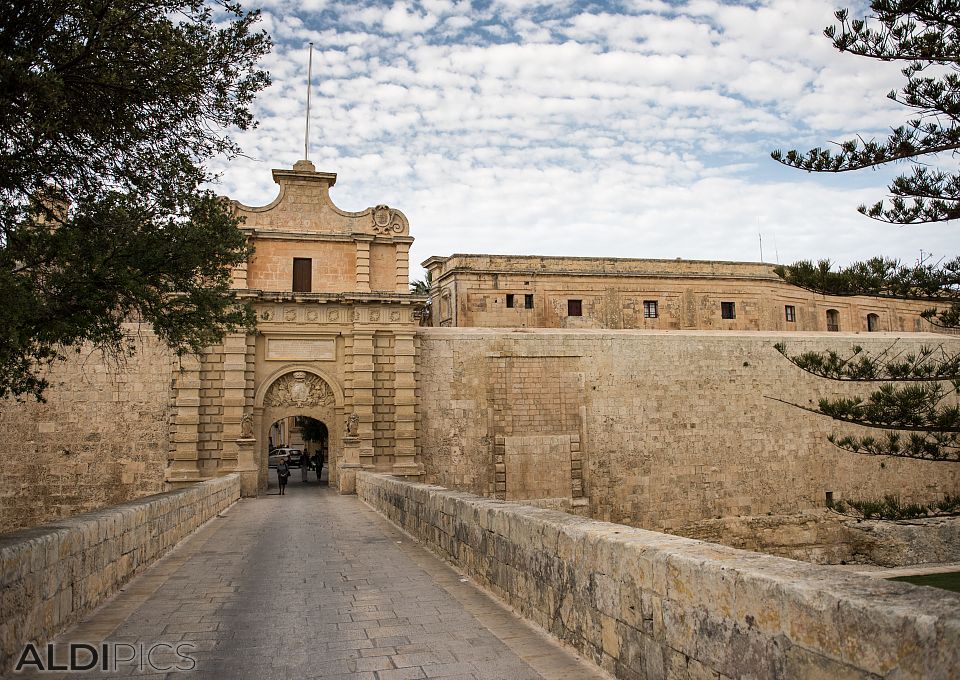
(664, 429)
(101, 438)
(53, 575)
(478, 290)
(651, 606)
(334, 265)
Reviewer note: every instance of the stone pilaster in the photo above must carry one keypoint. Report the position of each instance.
(234, 397)
(185, 424)
(363, 397)
(405, 402)
(403, 268)
(363, 262)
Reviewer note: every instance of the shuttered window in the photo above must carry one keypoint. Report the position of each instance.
(301, 274)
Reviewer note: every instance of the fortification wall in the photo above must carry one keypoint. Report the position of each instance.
(100, 439)
(53, 575)
(653, 429)
(648, 605)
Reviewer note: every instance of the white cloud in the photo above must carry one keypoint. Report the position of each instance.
(399, 19)
(542, 127)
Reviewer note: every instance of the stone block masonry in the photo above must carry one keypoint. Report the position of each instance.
(648, 605)
(663, 429)
(54, 574)
(101, 438)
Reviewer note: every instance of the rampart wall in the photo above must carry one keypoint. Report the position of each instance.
(654, 429)
(101, 437)
(649, 605)
(54, 574)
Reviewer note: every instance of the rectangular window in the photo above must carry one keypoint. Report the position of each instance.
(510, 300)
(528, 301)
(301, 274)
(574, 308)
(649, 309)
(790, 312)
(728, 310)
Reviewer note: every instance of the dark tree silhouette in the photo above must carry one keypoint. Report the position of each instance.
(916, 405)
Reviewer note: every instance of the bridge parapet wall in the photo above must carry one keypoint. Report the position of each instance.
(648, 605)
(52, 575)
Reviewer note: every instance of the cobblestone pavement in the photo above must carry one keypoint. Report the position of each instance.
(314, 585)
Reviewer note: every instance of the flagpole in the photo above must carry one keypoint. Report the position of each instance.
(306, 134)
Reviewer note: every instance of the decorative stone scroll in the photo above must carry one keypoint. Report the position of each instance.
(299, 389)
(386, 220)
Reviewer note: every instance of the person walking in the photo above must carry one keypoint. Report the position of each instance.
(304, 465)
(283, 474)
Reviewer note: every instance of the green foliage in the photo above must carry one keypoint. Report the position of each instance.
(422, 287)
(938, 284)
(108, 113)
(925, 34)
(917, 407)
(890, 508)
(915, 402)
(313, 430)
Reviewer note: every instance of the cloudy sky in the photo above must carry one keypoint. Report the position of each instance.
(630, 129)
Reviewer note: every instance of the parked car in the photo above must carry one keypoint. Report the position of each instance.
(294, 456)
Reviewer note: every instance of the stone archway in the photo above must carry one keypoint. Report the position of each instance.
(298, 391)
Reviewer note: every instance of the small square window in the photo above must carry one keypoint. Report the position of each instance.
(528, 301)
(790, 312)
(574, 308)
(649, 309)
(510, 300)
(728, 310)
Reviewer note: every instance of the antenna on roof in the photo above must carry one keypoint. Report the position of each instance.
(306, 134)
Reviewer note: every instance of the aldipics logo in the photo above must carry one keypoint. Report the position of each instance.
(108, 656)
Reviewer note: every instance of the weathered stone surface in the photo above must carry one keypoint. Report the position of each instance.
(825, 537)
(53, 575)
(473, 290)
(100, 439)
(672, 429)
(648, 605)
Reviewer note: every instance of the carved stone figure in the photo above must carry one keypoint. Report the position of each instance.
(246, 427)
(353, 425)
(299, 389)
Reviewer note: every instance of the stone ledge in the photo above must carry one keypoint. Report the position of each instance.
(52, 575)
(648, 605)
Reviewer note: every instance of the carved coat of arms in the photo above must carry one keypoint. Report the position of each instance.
(299, 389)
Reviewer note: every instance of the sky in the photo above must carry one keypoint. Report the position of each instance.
(637, 129)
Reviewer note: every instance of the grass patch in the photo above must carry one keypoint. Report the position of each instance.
(946, 581)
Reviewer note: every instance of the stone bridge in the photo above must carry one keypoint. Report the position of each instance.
(315, 584)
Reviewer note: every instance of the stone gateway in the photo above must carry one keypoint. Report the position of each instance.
(628, 390)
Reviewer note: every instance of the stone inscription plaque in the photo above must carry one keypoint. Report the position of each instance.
(311, 349)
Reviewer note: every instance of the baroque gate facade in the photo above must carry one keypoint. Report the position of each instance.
(335, 341)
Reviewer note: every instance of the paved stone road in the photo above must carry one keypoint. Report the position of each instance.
(316, 585)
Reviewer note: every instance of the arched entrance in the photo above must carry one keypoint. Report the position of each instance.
(303, 442)
(298, 392)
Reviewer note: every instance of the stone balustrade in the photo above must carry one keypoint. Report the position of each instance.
(648, 605)
(54, 574)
